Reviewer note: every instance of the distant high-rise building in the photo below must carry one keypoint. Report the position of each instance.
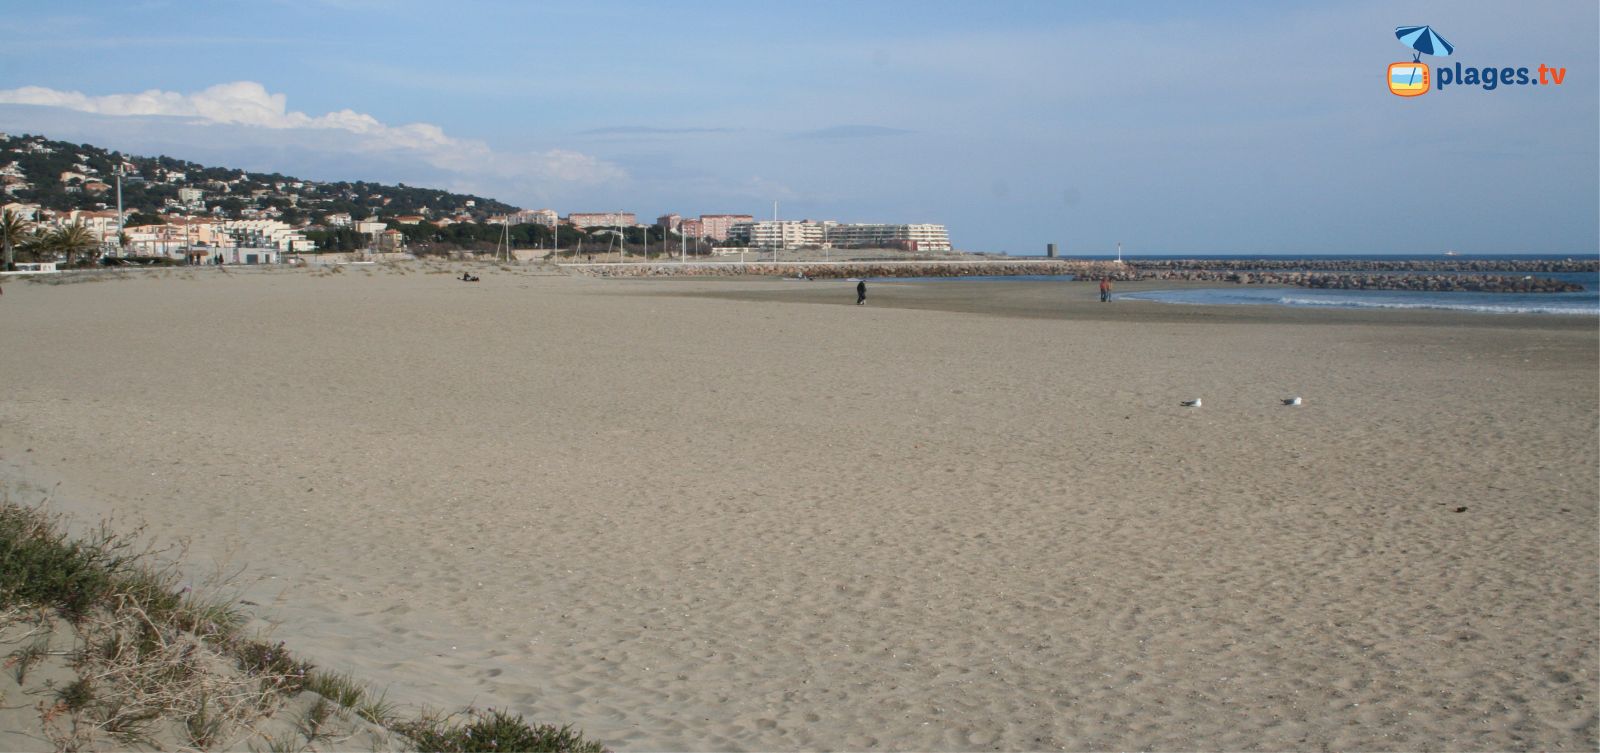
(669, 222)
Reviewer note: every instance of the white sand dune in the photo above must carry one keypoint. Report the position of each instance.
(725, 515)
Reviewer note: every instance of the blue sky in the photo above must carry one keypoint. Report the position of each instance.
(1172, 127)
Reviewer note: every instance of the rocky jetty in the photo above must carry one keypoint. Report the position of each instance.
(838, 270)
(1434, 276)
(1438, 282)
(1451, 264)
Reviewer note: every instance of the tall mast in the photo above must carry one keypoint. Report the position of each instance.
(119, 208)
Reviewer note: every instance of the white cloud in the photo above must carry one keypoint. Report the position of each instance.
(249, 104)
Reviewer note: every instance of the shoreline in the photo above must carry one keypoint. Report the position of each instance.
(747, 514)
(1079, 300)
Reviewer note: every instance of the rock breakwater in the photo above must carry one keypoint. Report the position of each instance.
(1457, 264)
(839, 270)
(1431, 276)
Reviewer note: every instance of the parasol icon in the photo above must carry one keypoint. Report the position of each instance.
(1424, 40)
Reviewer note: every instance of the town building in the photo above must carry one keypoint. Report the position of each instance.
(915, 237)
(777, 233)
(669, 222)
(602, 219)
(29, 212)
(546, 217)
(716, 226)
(206, 239)
(391, 240)
(796, 234)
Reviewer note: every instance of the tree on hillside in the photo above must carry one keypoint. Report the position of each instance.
(15, 230)
(138, 219)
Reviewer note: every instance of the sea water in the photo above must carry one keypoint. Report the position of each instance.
(1585, 303)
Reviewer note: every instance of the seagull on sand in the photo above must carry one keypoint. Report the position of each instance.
(1291, 401)
(1195, 403)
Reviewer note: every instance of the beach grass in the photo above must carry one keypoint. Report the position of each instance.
(152, 656)
(493, 730)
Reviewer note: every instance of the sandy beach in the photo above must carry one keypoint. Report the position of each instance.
(750, 515)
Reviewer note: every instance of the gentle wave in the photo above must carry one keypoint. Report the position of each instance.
(1564, 304)
(1483, 308)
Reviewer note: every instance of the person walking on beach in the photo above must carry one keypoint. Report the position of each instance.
(1105, 289)
(861, 292)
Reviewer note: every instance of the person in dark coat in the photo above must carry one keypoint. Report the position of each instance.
(861, 292)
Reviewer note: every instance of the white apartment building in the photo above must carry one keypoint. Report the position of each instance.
(236, 241)
(191, 196)
(779, 233)
(546, 217)
(795, 234)
(917, 237)
(29, 212)
(602, 219)
(267, 234)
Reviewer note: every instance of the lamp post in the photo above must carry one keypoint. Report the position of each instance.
(119, 207)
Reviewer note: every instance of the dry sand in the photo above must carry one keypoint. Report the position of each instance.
(750, 515)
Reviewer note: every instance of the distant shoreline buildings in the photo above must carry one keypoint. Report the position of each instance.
(177, 209)
(830, 234)
(786, 234)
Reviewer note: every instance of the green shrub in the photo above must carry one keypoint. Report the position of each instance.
(40, 566)
(494, 730)
(273, 664)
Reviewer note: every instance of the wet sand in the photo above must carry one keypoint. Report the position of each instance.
(747, 514)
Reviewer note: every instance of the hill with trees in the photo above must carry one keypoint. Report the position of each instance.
(62, 176)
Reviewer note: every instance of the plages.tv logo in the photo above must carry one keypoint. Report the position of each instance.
(1416, 78)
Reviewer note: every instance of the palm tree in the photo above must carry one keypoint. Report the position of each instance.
(71, 240)
(16, 229)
